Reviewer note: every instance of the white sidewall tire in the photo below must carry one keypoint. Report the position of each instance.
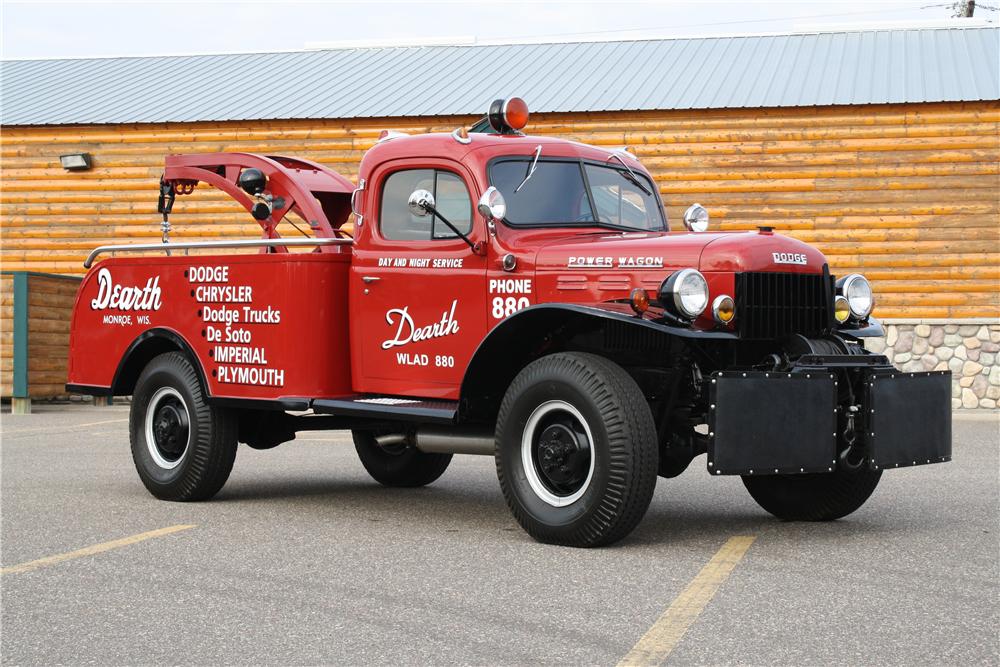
(207, 460)
(624, 452)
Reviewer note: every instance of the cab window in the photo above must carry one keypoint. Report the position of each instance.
(619, 201)
(536, 202)
(574, 193)
(452, 201)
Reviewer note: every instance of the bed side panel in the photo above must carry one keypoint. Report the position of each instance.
(263, 326)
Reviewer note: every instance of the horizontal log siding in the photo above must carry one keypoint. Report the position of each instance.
(906, 194)
(50, 307)
(6, 329)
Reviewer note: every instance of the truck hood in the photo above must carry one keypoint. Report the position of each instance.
(666, 252)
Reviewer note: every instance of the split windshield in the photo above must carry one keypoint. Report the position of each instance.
(575, 193)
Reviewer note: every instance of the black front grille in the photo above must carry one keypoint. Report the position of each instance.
(774, 305)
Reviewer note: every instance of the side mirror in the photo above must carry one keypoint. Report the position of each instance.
(421, 203)
(252, 181)
(492, 205)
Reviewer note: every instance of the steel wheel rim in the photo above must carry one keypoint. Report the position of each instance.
(167, 428)
(548, 413)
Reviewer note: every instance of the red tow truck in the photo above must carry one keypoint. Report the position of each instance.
(487, 292)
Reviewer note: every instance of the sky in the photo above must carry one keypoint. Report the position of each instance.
(76, 29)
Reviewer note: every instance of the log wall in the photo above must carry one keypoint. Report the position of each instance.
(6, 334)
(909, 195)
(35, 367)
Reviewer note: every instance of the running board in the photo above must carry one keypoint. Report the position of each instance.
(394, 408)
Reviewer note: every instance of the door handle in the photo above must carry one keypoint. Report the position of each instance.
(370, 279)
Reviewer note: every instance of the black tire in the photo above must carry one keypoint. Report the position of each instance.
(179, 463)
(813, 497)
(536, 425)
(398, 466)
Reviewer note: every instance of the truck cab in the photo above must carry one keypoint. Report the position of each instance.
(509, 295)
(411, 271)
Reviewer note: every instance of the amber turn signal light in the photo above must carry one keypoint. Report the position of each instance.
(841, 309)
(723, 309)
(639, 300)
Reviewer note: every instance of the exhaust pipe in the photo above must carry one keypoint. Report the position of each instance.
(391, 440)
(455, 441)
(443, 441)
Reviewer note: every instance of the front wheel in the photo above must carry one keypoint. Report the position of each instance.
(813, 497)
(182, 447)
(576, 450)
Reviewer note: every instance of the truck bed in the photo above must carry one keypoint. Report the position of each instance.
(262, 326)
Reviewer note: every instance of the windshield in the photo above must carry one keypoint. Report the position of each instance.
(575, 193)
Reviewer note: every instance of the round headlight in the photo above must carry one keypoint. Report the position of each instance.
(858, 292)
(685, 293)
(696, 218)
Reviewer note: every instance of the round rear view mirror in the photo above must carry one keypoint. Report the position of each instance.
(421, 202)
(492, 205)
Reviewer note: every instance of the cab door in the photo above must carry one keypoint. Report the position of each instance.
(417, 288)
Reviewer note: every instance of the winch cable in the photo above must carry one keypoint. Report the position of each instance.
(297, 228)
(164, 205)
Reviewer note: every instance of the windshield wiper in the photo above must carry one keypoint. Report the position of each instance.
(630, 176)
(618, 228)
(531, 168)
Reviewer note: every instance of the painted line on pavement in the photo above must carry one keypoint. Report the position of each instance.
(92, 550)
(68, 427)
(656, 645)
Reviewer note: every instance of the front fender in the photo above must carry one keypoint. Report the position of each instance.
(528, 334)
(872, 329)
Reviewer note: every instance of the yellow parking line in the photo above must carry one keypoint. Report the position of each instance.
(655, 646)
(91, 550)
(68, 427)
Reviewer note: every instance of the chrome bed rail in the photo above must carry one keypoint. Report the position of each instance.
(192, 245)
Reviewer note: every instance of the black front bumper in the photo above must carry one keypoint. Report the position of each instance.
(766, 423)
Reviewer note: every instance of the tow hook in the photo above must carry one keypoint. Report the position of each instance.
(850, 457)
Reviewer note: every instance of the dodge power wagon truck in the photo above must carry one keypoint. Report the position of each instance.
(487, 292)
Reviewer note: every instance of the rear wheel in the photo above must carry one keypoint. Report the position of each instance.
(576, 450)
(398, 464)
(813, 497)
(183, 448)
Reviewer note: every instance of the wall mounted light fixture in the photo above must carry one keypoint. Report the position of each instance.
(76, 161)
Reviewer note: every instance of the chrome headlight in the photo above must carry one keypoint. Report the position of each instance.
(858, 292)
(685, 293)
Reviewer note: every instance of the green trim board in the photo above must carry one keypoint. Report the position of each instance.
(20, 380)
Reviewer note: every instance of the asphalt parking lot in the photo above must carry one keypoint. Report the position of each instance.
(302, 559)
